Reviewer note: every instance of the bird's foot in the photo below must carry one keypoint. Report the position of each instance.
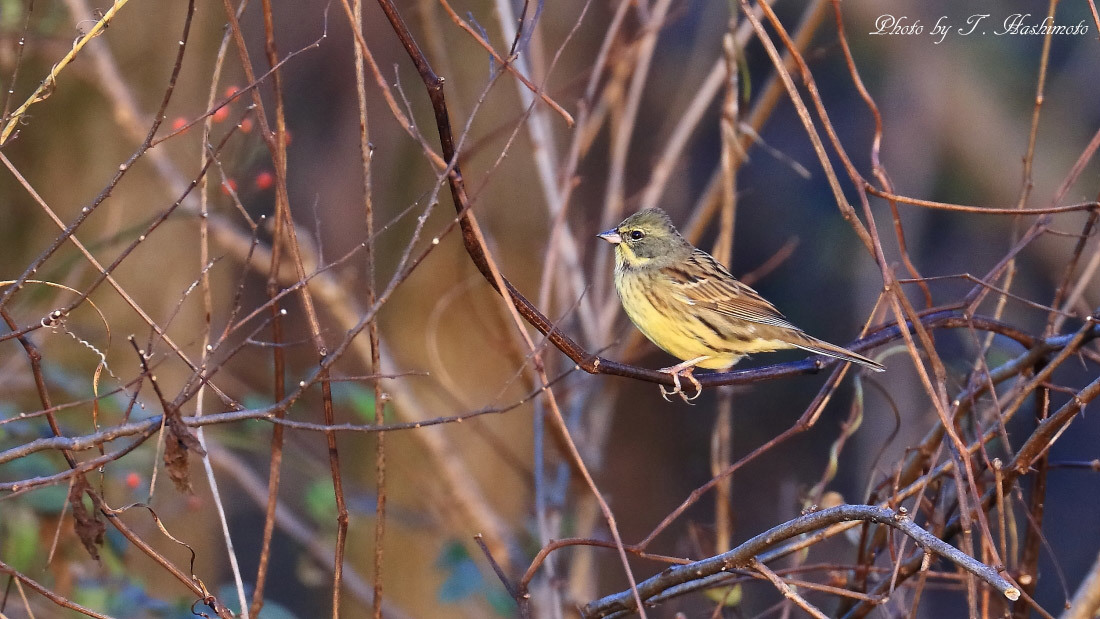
(684, 369)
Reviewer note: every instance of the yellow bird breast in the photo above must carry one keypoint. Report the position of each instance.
(668, 323)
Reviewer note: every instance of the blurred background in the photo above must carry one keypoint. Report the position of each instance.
(644, 85)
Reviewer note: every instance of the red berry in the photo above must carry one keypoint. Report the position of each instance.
(264, 180)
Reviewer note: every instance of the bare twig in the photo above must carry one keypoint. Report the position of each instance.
(744, 554)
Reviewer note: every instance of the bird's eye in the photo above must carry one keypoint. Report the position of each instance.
(636, 234)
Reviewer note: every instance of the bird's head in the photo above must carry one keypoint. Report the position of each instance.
(647, 238)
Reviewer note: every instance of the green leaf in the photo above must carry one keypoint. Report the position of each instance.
(11, 14)
(451, 555)
(321, 501)
(93, 595)
(726, 596)
(361, 400)
(20, 539)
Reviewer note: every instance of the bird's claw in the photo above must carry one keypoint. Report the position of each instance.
(665, 394)
(677, 371)
(679, 391)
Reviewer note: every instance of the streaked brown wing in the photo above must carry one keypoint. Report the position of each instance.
(703, 282)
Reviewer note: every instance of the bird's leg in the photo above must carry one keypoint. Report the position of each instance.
(683, 369)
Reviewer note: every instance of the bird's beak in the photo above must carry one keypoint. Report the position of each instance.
(611, 236)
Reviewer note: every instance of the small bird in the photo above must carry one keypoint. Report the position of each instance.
(689, 305)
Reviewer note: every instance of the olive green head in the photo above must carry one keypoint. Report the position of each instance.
(647, 238)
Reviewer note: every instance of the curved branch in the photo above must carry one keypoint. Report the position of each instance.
(945, 319)
(744, 554)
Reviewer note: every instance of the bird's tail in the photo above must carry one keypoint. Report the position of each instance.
(812, 344)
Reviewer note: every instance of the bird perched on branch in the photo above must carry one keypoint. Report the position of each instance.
(689, 305)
